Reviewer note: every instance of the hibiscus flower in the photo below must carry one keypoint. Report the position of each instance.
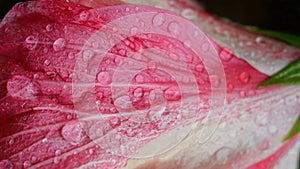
(140, 84)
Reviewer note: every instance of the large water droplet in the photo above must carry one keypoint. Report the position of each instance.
(49, 28)
(6, 164)
(31, 42)
(172, 93)
(159, 19)
(104, 78)
(225, 55)
(174, 28)
(245, 77)
(22, 87)
(72, 131)
(59, 44)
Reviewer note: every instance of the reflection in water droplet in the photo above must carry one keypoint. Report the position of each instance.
(174, 28)
(159, 19)
(72, 131)
(245, 77)
(59, 44)
(104, 78)
(6, 164)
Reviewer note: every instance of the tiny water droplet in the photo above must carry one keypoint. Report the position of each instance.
(205, 47)
(91, 151)
(31, 42)
(230, 87)
(138, 92)
(260, 40)
(115, 121)
(188, 13)
(226, 55)
(72, 131)
(139, 78)
(58, 152)
(123, 102)
(172, 93)
(49, 28)
(133, 30)
(199, 68)
(26, 164)
(56, 160)
(87, 55)
(33, 158)
(174, 28)
(152, 65)
(47, 62)
(11, 142)
(6, 164)
(127, 9)
(104, 78)
(84, 15)
(245, 77)
(263, 145)
(59, 44)
(262, 119)
(71, 55)
(159, 19)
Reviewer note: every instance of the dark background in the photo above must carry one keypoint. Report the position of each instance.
(280, 15)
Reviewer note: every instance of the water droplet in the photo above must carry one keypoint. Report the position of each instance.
(104, 78)
(11, 141)
(188, 13)
(273, 129)
(159, 19)
(84, 15)
(31, 42)
(260, 39)
(59, 44)
(87, 55)
(58, 152)
(138, 92)
(133, 30)
(139, 78)
(173, 93)
(72, 131)
(33, 158)
(47, 62)
(56, 160)
(71, 55)
(263, 145)
(26, 164)
(214, 80)
(174, 28)
(49, 28)
(200, 68)
(127, 9)
(226, 55)
(230, 87)
(6, 164)
(91, 151)
(205, 47)
(245, 77)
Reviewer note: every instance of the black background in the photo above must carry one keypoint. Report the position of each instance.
(280, 15)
